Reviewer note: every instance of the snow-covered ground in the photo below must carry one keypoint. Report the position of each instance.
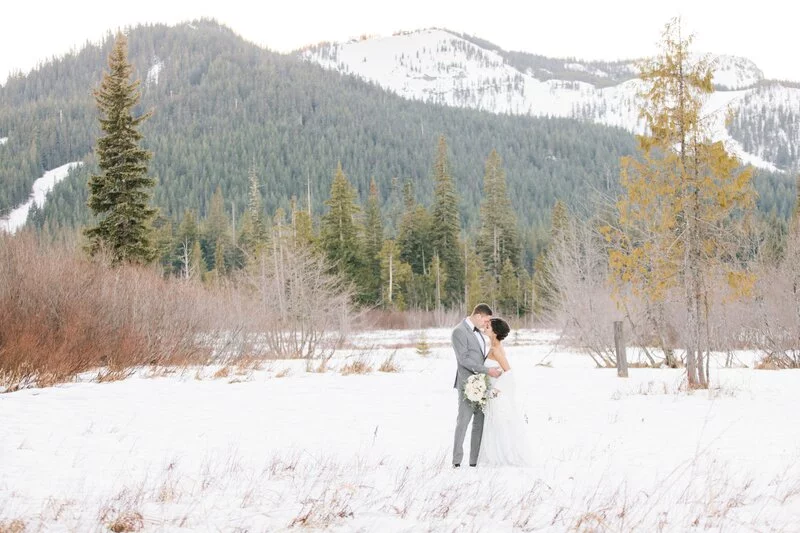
(282, 448)
(41, 187)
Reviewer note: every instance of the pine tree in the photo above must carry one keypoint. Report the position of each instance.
(217, 230)
(498, 238)
(478, 283)
(395, 275)
(683, 197)
(509, 293)
(220, 269)
(414, 233)
(340, 231)
(121, 193)
(164, 242)
(253, 238)
(189, 228)
(437, 278)
(544, 286)
(198, 263)
(302, 228)
(446, 225)
(373, 242)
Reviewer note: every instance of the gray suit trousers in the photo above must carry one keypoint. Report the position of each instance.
(465, 413)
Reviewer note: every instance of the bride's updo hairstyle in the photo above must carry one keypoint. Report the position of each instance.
(500, 328)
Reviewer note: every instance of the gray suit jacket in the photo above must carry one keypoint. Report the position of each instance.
(469, 354)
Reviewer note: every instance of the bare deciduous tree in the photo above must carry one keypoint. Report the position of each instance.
(301, 309)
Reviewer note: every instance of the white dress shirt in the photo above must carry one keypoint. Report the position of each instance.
(478, 335)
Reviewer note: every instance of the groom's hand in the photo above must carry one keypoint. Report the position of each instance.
(494, 372)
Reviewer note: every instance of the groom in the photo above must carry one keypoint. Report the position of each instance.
(471, 350)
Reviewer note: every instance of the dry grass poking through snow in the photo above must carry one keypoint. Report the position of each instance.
(371, 494)
(127, 522)
(14, 526)
(360, 365)
(389, 364)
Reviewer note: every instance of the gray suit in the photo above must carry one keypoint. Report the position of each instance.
(470, 359)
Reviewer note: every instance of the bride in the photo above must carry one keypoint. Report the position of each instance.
(505, 431)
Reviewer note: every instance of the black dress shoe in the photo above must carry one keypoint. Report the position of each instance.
(456, 465)
(473, 465)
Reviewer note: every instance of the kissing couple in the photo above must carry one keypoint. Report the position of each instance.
(499, 429)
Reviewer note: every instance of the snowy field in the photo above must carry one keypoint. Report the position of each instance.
(281, 448)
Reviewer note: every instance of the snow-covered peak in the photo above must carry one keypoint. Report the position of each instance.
(733, 72)
(438, 66)
(423, 62)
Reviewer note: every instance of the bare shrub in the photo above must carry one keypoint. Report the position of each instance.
(777, 332)
(61, 314)
(586, 309)
(360, 365)
(588, 304)
(300, 309)
(389, 365)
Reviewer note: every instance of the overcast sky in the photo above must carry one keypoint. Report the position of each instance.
(764, 31)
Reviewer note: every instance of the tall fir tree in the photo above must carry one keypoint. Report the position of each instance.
(254, 235)
(373, 242)
(446, 225)
(395, 275)
(217, 224)
(545, 290)
(414, 233)
(509, 290)
(498, 238)
(302, 227)
(217, 230)
(120, 194)
(341, 233)
(416, 250)
(478, 283)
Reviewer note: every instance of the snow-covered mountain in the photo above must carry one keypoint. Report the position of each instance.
(439, 66)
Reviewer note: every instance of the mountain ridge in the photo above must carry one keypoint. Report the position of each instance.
(223, 106)
(440, 66)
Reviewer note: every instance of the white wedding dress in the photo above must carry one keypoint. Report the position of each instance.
(506, 441)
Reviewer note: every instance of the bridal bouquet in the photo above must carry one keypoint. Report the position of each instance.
(478, 391)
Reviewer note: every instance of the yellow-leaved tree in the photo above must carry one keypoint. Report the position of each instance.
(683, 198)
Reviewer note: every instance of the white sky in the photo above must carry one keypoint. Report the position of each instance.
(764, 31)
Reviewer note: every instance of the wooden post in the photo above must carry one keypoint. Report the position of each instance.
(619, 344)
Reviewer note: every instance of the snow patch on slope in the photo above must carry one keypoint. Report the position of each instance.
(152, 74)
(41, 187)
